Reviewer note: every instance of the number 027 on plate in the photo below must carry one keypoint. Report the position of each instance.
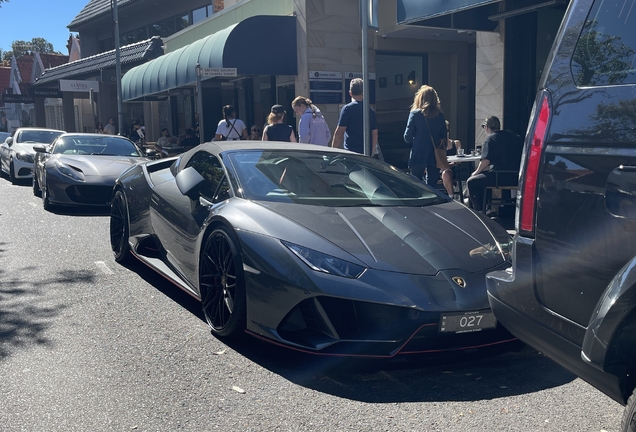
(467, 322)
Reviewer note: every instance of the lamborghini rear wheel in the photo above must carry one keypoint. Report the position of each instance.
(119, 227)
(222, 284)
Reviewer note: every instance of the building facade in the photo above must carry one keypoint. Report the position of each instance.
(484, 57)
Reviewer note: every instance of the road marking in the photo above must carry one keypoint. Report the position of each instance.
(103, 267)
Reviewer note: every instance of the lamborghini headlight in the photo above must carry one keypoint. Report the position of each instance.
(324, 263)
(68, 171)
(24, 157)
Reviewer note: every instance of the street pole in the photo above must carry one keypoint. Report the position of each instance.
(120, 105)
(365, 76)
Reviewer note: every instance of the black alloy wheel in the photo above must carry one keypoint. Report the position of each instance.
(36, 187)
(119, 227)
(12, 172)
(222, 284)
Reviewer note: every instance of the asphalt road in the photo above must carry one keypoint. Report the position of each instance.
(89, 345)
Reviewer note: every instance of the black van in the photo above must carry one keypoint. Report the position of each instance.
(571, 292)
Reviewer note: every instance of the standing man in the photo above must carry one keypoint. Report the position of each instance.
(501, 151)
(110, 127)
(350, 129)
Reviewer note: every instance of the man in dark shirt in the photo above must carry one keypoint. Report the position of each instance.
(500, 152)
(350, 130)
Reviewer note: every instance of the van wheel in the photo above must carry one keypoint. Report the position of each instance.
(628, 423)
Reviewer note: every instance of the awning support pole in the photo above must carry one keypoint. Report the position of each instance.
(120, 105)
(200, 105)
(365, 77)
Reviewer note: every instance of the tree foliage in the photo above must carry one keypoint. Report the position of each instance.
(20, 48)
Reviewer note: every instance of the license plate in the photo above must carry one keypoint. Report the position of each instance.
(467, 322)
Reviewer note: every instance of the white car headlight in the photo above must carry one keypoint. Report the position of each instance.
(67, 171)
(24, 157)
(324, 263)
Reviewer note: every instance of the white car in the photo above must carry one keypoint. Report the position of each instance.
(16, 152)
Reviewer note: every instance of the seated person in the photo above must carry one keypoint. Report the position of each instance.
(500, 151)
(189, 141)
(166, 144)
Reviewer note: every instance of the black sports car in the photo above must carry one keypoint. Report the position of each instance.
(80, 169)
(315, 248)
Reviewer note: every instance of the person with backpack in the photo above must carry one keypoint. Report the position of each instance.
(312, 127)
(230, 128)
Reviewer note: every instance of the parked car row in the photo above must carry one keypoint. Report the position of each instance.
(68, 169)
(331, 252)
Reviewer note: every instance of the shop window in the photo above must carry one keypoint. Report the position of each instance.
(199, 15)
(183, 22)
(606, 50)
(164, 28)
(131, 37)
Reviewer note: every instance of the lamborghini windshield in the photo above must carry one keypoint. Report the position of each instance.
(326, 179)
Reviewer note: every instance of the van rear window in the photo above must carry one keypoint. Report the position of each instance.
(606, 51)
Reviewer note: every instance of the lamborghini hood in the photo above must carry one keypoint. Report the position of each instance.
(412, 240)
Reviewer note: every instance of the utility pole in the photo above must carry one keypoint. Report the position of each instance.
(120, 105)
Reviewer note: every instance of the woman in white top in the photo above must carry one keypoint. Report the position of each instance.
(312, 127)
(231, 128)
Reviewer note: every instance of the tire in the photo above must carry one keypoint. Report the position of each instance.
(628, 423)
(46, 203)
(222, 284)
(12, 173)
(36, 187)
(120, 228)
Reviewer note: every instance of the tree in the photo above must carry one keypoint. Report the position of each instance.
(20, 48)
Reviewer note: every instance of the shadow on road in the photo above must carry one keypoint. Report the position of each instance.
(477, 374)
(28, 309)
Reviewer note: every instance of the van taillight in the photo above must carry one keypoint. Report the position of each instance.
(529, 193)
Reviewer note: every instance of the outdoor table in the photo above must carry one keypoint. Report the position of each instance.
(459, 160)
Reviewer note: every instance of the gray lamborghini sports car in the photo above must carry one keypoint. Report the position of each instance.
(80, 169)
(314, 248)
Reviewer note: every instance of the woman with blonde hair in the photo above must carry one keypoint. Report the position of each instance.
(426, 131)
(276, 129)
(312, 127)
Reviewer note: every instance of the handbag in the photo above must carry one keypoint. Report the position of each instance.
(441, 161)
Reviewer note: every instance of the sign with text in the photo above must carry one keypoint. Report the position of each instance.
(17, 98)
(45, 93)
(349, 76)
(79, 86)
(218, 72)
(325, 87)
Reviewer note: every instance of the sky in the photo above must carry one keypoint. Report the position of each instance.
(28, 19)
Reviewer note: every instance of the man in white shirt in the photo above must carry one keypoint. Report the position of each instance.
(110, 127)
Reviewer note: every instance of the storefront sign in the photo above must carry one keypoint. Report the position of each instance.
(79, 86)
(349, 76)
(45, 93)
(11, 98)
(325, 87)
(218, 72)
